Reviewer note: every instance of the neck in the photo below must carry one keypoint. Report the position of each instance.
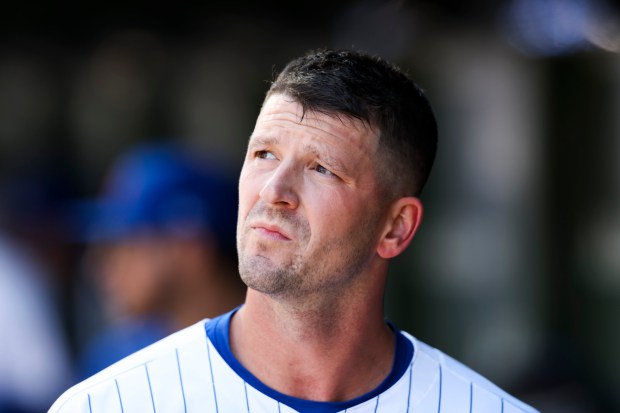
(332, 351)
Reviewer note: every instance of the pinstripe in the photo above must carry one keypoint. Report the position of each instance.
(409, 395)
(120, 400)
(100, 394)
(440, 387)
(148, 378)
(176, 350)
(247, 402)
(212, 378)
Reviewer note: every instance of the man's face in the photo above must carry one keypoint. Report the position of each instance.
(134, 275)
(309, 207)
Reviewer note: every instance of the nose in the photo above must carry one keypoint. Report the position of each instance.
(281, 187)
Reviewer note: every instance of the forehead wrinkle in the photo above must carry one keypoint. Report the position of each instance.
(283, 117)
(260, 140)
(338, 125)
(318, 126)
(342, 127)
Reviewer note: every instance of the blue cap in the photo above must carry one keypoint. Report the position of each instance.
(163, 189)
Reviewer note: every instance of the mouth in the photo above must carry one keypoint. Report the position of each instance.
(271, 231)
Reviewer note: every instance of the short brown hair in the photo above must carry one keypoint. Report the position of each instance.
(376, 92)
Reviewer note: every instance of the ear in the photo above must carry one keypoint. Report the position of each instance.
(404, 218)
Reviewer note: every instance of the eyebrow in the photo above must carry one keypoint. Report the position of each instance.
(326, 158)
(263, 141)
(316, 150)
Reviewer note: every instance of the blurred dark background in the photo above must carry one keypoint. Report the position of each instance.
(516, 270)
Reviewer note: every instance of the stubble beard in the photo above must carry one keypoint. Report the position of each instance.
(335, 262)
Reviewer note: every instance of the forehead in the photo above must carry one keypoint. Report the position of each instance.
(283, 112)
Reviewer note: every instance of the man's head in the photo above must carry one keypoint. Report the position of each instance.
(359, 86)
(342, 144)
(162, 224)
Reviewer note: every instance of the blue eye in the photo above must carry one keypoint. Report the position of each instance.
(322, 170)
(265, 155)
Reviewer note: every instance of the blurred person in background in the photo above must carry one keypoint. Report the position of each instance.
(34, 261)
(161, 249)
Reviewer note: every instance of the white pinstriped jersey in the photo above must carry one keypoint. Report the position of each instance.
(186, 372)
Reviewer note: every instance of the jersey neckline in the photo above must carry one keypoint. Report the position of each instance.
(218, 329)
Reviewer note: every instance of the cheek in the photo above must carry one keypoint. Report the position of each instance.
(326, 211)
(249, 192)
(338, 214)
(245, 202)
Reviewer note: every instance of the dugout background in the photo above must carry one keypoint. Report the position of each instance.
(516, 269)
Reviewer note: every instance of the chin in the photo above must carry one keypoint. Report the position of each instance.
(259, 273)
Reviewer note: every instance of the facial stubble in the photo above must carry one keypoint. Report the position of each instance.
(309, 270)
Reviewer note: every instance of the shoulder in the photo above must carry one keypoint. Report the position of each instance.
(456, 385)
(166, 351)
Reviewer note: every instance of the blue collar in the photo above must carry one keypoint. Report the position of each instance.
(218, 332)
